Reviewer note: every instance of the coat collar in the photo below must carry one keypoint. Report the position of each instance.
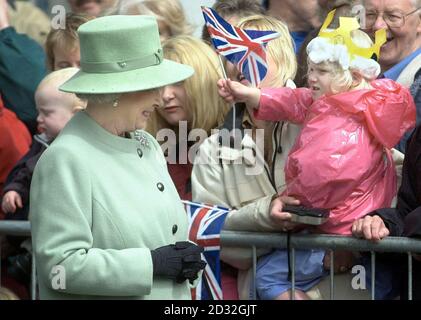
(42, 139)
(231, 152)
(85, 126)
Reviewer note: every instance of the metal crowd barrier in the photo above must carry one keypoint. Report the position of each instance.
(19, 228)
(327, 242)
(275, 240)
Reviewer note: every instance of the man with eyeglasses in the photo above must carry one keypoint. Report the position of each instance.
(400, 57)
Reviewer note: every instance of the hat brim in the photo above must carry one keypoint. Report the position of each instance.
(167, 72)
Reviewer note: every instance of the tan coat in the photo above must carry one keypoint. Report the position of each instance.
(236, 179)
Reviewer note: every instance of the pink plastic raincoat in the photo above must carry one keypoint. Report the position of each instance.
(341, 159)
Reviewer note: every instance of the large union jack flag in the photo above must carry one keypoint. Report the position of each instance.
(244, 48)
(205, 225)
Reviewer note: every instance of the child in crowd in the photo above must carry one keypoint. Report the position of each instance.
(170, 14)
(55, 109)
(341, 159)
(62, 45)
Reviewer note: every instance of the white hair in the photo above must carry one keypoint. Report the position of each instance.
(106, 98)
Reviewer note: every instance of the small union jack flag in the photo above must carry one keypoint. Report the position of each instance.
(205, 225)
(244, 48)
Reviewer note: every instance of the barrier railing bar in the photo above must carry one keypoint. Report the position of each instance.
(332, 274)
(373, 275)
(409, 276)
(254, 273)
(276, 240)
(15, 228)
(33, 279)
(0, 258)
(293, 274)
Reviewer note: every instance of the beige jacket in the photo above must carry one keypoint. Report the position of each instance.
(240, 178)
(235, 178)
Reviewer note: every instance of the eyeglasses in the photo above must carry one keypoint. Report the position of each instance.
(392, 19)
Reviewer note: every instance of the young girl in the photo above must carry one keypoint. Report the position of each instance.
(341, 159)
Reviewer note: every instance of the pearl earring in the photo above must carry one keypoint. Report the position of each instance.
(115, 103)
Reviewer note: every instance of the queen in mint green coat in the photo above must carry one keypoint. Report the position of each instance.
(100, 202)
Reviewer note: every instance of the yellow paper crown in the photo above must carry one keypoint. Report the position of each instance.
(342, 35)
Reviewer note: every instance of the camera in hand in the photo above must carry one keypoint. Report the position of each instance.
(306, 215)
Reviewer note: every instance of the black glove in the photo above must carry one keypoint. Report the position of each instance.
(178, 261)
(192, 264)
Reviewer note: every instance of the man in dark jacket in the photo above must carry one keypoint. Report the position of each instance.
(405, 219)
(416, 94)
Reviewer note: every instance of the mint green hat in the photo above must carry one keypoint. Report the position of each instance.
(123, 54)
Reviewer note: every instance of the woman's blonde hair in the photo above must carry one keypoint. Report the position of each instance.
(169, 12)
(280, 49)
(66, 38)
(353, 78)
(205, 108)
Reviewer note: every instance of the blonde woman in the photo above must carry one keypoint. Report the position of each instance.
(190, 109)
(236, 181)
(169, 14)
